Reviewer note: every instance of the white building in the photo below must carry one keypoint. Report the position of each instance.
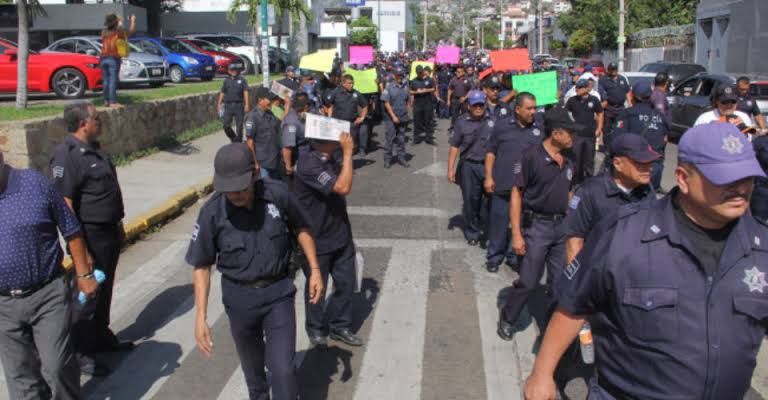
(562, 6)
(393, 21)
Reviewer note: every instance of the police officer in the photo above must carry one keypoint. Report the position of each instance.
(395, 100)
(676, 288)
(233, 102)
(293, 140)
(616, 88)
(246, 228)
(36, 348)
(626, 181)
(660, 92)
(263, 131)
(495, 109)
(747, 104)
(458, 89)
(321, 188)
(643, 118)
(346, 103)
(443, 79)
(588, 112)
(508, 140)
(85, 176)
(290, 81)
(541, 185)
(468, 144)
(759, 203)
(422, 90)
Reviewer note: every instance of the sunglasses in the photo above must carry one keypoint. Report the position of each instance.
(728, 102)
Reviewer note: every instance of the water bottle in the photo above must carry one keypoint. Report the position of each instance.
(100, 277)
(587, 347)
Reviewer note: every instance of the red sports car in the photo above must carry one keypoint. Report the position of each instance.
(223, 58)
(68, 75)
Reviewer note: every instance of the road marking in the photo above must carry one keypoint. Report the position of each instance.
(146, 369)
(391, 367)
(437, 169)
(399, 211)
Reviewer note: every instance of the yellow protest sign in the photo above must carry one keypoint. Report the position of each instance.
(365, 81)
(424, 64)
(321, 61)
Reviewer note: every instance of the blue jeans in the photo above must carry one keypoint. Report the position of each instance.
(110, 72)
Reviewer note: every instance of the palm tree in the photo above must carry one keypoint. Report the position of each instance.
(26, 11)
(296, 9)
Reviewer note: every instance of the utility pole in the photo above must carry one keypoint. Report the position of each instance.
(541, 26)
(621, 39)
(264, 44)
(378, 24)
(482, 35)
(426, 22)
(463, 30)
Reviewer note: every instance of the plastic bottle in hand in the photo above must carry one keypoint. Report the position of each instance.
(100, 277)
(587, 347)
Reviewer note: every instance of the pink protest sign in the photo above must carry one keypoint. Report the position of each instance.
(448, 54)
(360, 54)
(431, 60)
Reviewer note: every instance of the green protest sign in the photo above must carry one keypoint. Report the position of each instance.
(365, 81)
(543, 85)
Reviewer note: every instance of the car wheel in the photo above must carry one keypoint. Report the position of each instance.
(177, 74)
(247, 65)
(69, 83)
(156, 84)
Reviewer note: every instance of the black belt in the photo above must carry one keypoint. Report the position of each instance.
(29, 290)
(233, 102)
(473, 161)
(546, 217)
(259, 283)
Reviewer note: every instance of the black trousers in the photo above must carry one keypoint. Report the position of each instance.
(476, 204)
(422, 119)
(583, 156)
(610, 115)
(340, 264)
(236, 111)
(91, 332)
(456, 109)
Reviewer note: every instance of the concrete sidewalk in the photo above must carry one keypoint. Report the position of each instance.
(160, 185)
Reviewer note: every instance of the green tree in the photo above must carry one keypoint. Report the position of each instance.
(581, 42)
(363, 32)
(295, 10)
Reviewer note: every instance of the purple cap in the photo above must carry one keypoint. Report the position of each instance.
(633, 146)
(722, 153)
(476, 97)
(642, 89)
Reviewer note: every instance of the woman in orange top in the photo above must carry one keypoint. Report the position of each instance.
(110, 57)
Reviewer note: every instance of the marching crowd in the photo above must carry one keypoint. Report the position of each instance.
(671, 284)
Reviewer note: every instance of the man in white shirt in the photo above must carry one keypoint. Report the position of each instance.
(724, 101)
(592, 90)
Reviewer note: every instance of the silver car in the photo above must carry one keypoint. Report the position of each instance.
(138, 68)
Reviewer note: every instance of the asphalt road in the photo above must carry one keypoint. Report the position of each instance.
(427, 309)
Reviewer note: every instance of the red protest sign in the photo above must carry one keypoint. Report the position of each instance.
(510, 60)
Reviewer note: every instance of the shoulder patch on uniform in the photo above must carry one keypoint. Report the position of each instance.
(572, 268)
(490, 123)
(503, 111)
(292, 128)
(195, 232)
(354, 95)
(323, 178)
(248, 124)
(517, 168)
(536, 132)
(273, 211)
(574, 203)
(569, 174)
(58, 172)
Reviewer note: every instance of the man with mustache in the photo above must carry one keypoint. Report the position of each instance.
(675, 289)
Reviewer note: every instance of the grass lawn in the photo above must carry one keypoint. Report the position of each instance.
(8, 111)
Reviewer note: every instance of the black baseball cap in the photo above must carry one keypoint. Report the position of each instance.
(264, 93)
(725, 92)
(558, 117)
(633, 146)
(492, 82)
(233, 168)
(613, 66)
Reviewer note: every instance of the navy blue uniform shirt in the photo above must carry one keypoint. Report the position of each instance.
(31, 210)
(233, 88)
(748, 105)
(645, 120)
(584, 110)
(315, 177)
(759, 202)
(290, 83)
(507, 142)
(663, 329)
(396, 94)
(293, 134)
(264, 129)
(596, 198)
(615, 90)
(545, 185)
(497, 111)
(248, 245)
(471, 137)
(85, 174)
(345, 104)
(460, 87)
(426, 83)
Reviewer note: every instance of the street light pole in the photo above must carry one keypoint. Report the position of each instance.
(541, 27)
(264, 44)
(378, 23)
(621, 39)
(426, 22)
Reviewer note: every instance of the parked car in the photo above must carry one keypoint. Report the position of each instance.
(570, 61)
(139, 67)
(676, 71)
(183, 61)
(634, 77)
(67, 75)
(235, 45)
(222, 57)
(691, 99)
(598, 68)
(759, 90)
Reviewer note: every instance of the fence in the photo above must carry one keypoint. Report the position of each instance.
(636, 58)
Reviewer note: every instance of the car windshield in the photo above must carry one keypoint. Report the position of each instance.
(7, 43)
(655, 68)
(133, 47)
(177, 46)
(635, 79)
(207, 45)
(228, 41)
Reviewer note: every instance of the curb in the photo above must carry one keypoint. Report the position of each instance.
(166, 211)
